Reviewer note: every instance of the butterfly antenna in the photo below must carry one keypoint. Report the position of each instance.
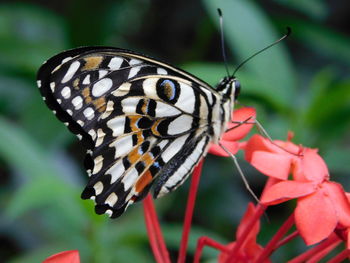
(289, 31)
(222, 41)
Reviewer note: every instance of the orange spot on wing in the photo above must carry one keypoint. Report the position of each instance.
(144, 180)
(147, 159)
(76, 83)
(133, 121)
(100, 104)
(144, 106)
(134, 155)
(92, 62)
(86, 94)
(155, 126)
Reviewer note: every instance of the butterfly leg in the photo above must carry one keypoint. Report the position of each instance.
(244, 179)
(261, 130)
(240, 123)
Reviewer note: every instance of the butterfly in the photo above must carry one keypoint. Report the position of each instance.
(145, 123)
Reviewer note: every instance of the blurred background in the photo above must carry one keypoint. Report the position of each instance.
(301, 85)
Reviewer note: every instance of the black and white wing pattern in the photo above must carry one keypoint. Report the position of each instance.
(142, 121)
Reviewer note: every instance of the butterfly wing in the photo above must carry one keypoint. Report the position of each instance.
(140, 120)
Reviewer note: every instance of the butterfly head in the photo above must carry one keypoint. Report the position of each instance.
(229, 87)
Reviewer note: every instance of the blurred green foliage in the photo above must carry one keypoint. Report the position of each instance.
(300, 85)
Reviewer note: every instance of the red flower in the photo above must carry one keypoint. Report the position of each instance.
(237, 130)
(321, 204)
(249, 250)
(70, 256)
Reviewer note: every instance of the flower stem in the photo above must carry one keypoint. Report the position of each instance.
(206, 241)
(287, 239)
(156, 239)
(318, 256)
(189, 211)
(311, 252)
(259, 211)
(340, 257)
(271, 246)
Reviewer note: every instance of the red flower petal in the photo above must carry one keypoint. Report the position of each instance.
(312, 166)
(217, 150)
(240, 131)
(70, 256)
(315, 217)
(255, 143)
(286, 190)
(341, 204)
(272, 164)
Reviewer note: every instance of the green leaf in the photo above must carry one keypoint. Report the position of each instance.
(34, 33)
(248, 30)
(23, 153)
(41, 184)
(316, 9)
(326, 42)
(14, 94)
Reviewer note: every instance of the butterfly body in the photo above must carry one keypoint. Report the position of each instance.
(143, 121)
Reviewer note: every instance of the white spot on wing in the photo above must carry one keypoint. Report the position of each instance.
(129, 105)
(101, 87)
(65, 92)
(86, 80)
(122, 146)
(100, 137)
(186, 100)
(109, 212)
(133, 72)
(115, 63)
(111, 199)
(38, 82)
(149, 87)
(70, 112)
(71, 71)
(77, 102)
(130, 178)
(122, 90)
(116, 171)
(181, 124)
(52, 86)
(92, 133)
(102, 73)
(117, 125)
(161, 71)
(98, 163)
(89, 113)
(134, 61)
(174, 148)
(98, 188)
(80, 122)
(164, 110)
(109, 109)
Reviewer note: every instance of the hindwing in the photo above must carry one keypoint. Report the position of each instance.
(141, 120)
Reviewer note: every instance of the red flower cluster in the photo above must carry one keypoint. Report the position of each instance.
(322, 205)
(322, 213)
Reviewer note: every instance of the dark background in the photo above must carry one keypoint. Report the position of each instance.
(301, 85)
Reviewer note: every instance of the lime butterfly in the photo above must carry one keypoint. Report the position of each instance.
(144, 122)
